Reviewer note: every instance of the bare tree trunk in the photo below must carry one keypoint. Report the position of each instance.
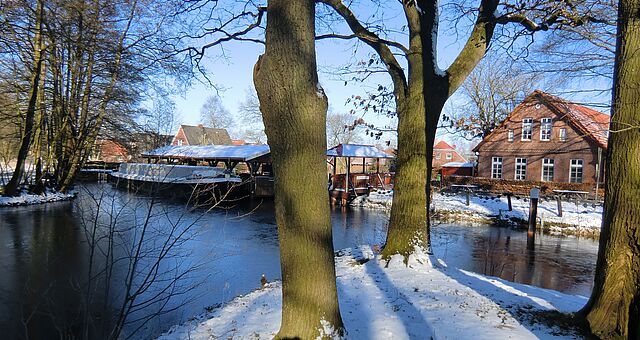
(407, 223)
(11, 189)
(294, 107)
(614, 308)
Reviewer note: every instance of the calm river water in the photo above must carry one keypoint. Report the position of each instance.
(45, 254)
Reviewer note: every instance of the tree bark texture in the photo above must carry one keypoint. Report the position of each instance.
(294, 110)
(12, 187)
(613, 310)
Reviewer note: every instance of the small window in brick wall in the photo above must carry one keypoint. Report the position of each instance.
(521, 169)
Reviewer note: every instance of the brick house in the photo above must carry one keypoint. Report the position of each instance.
(201, 135)
(109, 151)
(444, 153)
(546, 139)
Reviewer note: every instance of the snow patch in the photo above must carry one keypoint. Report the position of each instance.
(380, 300)
(29, 199)
(577, 218)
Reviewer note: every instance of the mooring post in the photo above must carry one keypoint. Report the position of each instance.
(468, 194)
(559, 200)
(509, 201)
(533, 210)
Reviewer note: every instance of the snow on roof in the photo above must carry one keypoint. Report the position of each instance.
(357, 150)
(458, 165)
(233, 152)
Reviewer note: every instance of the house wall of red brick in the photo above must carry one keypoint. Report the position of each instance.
(180, 137)
(576, 146)
(440, 157)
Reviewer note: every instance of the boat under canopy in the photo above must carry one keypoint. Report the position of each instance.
(174, 174)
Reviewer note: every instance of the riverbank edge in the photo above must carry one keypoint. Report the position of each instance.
(29, 199)
(501, 220)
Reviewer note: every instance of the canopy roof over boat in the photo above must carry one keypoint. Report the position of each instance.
(242, 153)
(357, 151)
(247, 153)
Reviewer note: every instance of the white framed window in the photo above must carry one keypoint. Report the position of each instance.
(496, 167)
(545, 129)
(575, 171)
(179, 142)
(527, 128)
(437, 155)
(510, 135)
(562, 135)
(449, 155)
(547, 170)
(521, 169)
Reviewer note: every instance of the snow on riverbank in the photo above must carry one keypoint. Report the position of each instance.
(426, 299)
(28, 199)
(576, 218)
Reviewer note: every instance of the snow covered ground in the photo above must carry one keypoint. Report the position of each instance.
(578, 219)
(424, 300)
(28, 199)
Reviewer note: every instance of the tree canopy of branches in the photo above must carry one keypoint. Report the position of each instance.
(214, 114)
(493, 89)
(74, 68)
(422, 88)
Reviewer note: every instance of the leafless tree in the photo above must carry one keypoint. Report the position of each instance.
(214, 114)
(494, 88)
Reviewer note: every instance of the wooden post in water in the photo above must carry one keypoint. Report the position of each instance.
(533, 211)
(559, 200)
(509, 201)
(468, 194)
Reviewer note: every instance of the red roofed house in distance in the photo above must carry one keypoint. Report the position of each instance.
(547, 139)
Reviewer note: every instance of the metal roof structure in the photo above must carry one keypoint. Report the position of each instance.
(241, 153)
(245, 153)
(357, 151)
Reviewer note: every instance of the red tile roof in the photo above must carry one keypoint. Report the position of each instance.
(442, 145)
(592, 123)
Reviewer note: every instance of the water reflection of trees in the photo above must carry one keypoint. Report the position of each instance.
(564, 264)
(101, 267)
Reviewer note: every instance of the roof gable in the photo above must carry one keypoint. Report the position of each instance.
(202, 135)
(591, 124)
(442, 145)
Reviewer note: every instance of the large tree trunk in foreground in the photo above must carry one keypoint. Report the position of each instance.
(294, 109)
(407, 223)
(11, 189)
(614, 308)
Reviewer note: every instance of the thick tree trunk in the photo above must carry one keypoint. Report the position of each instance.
(614, 308)
(11, 189)
(294, 110)
(407, 223)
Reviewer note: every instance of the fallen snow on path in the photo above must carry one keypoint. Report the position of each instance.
(423, 300)
(576, 218)
(28, 199)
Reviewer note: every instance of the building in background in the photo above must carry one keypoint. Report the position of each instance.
(444, 153)
(201, 135)
(546, 139)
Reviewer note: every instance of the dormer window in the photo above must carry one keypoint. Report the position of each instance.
(545, 129)
(527, 128)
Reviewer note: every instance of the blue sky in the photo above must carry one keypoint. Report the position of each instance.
(230, 67)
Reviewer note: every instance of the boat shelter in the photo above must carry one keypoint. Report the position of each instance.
(252, 162)
(256, 157)
(361, 165)
(354, 169)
